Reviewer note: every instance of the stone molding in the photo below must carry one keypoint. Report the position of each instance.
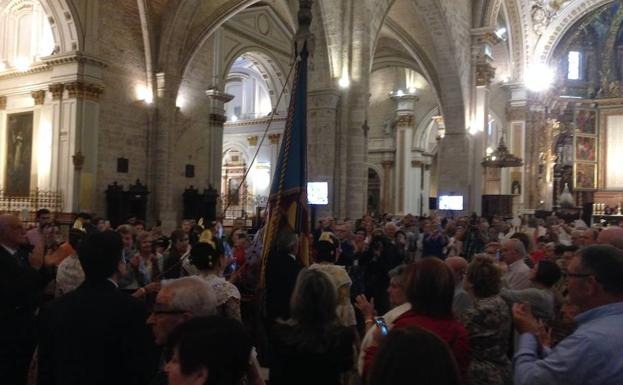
(274, 138)
(217, 95)
(515, 113)
(2, 103)
(323, 99)
(38, 96)
(252, 140)
(80, 89)
(57, 90)
(217, 119)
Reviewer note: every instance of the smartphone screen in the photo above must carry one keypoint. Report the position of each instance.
(380, 323)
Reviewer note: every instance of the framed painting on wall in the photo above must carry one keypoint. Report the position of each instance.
(585, 176)
(19, 154)
(585, 148)
(585, 121)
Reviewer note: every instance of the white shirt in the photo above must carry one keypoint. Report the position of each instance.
(517, 276)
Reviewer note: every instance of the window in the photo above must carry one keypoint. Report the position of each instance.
(574, 62)
(25, 34)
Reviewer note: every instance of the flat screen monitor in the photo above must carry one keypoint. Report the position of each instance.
(450, 202)
(318, 193)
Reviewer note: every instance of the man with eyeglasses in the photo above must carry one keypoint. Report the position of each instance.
(178, 301)
(592, 354)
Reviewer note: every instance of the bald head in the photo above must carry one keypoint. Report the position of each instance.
(611, 236)
(12, 232)
(458, 265)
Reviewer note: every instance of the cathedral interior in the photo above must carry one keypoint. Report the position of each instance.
(516, 106)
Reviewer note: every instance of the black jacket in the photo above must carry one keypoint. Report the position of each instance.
(281, 273)
(95, 335)
(21, 289)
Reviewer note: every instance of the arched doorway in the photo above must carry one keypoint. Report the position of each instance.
(254, 82)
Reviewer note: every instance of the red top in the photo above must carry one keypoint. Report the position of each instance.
(448, 329)
(537, 256)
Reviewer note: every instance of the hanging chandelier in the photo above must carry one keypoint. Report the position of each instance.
(500, 158)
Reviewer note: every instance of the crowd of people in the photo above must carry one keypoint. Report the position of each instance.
(390, 300)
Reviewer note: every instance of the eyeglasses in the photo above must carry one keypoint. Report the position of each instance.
(576, 275)
(157, 310)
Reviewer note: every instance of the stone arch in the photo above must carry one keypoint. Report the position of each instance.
(65, 26)
(424, 129)
(181, 39)
(229, 146)
(417, 54)
(566, 18)
(275, 77)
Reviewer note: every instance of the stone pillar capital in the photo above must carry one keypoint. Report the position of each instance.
(387, 164)
(81, 89)
(57, 90)
(38, 96)
(274, 138)
(485, 73)
(2, 103)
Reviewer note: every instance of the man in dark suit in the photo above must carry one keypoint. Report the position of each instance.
(96, 334)
(282, 269)
(21, 288)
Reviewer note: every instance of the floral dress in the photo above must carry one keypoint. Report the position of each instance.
(488, 324)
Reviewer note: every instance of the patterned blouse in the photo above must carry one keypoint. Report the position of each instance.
(227, 296)
(69, 275)
(489, 324)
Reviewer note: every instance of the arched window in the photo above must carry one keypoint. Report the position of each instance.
(25, 34)
(574, 65)
(247, 82)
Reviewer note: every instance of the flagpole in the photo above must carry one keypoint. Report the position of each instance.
(303, 40)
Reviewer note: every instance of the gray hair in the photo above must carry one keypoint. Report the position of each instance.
(517, 245)
(191, 294)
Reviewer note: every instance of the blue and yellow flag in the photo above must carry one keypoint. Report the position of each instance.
(287, 203)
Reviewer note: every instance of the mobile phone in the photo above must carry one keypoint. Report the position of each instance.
(498, 255)
(380, 323)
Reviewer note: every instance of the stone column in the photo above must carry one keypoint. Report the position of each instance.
(484, 74)
(3, 137)
(426, 179)
(405, 122)
(516, 113)
(274, 152)
(40, 181)
(323, 164)
(56, 90)
(216, 120)
(386, 203)
(81, 185)
(418, 200)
